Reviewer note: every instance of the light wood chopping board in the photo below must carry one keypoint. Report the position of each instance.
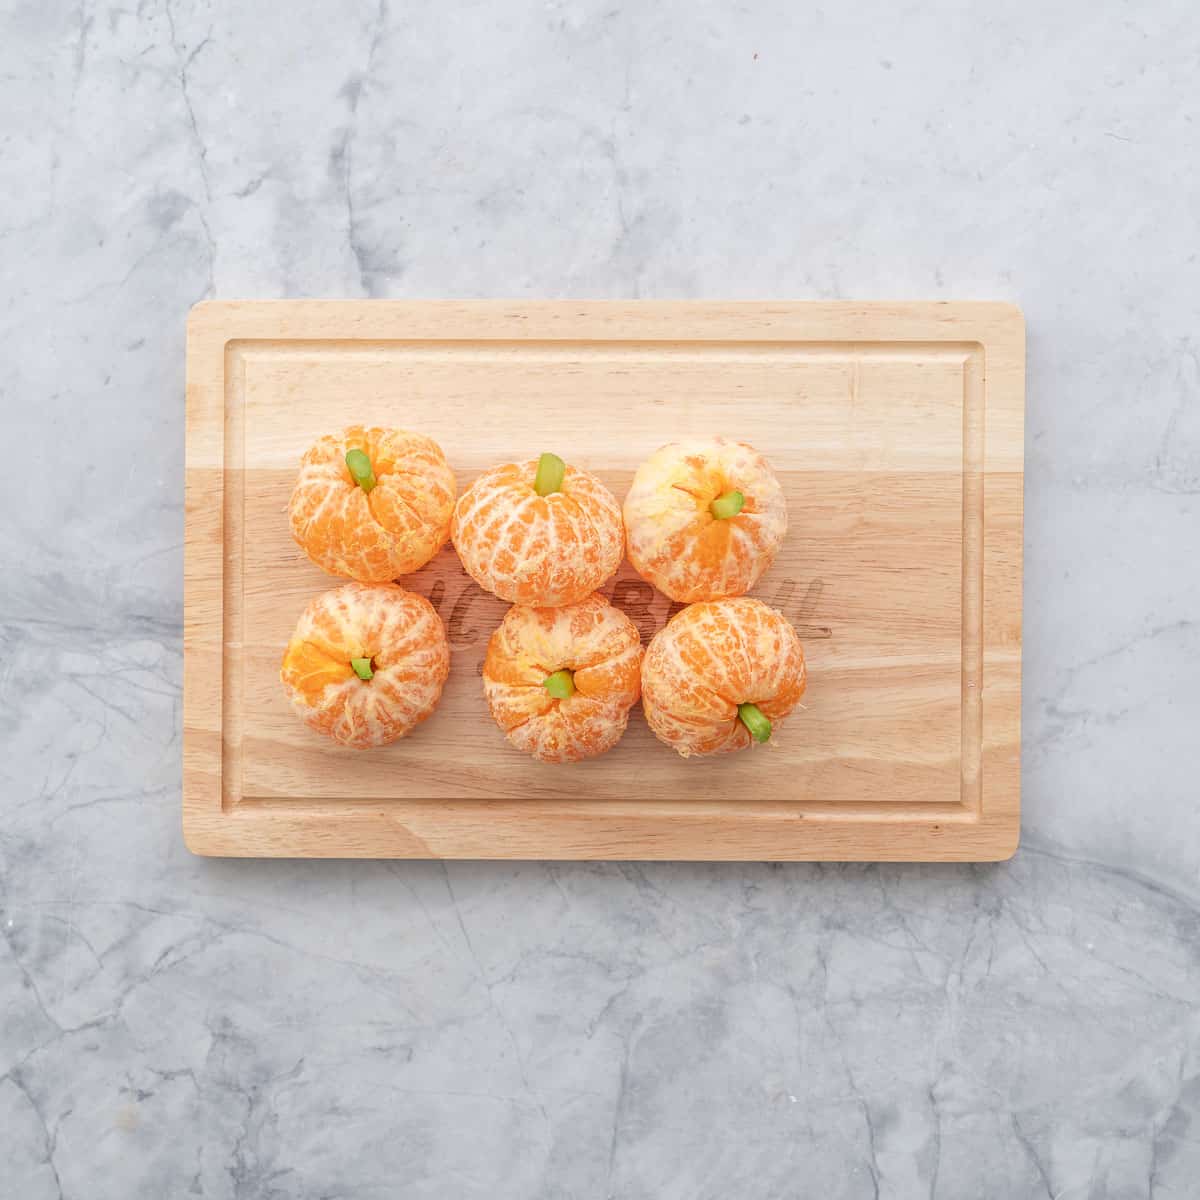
(897, 432)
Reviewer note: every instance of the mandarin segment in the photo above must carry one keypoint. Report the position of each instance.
(366, 663)
(533, 549)
(592, 642)
(704, 519)
(713, 659)
(384, 513)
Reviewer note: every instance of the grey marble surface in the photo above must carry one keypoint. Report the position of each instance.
(173, 1027)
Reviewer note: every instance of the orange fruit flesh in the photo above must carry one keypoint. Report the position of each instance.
(674, 540)
(706, 538)
(598, 644)
(713, 657)
(391, 530)
(538, 550)
(402, 636)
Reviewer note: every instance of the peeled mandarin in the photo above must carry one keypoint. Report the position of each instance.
(542, 549)
(560, 681)
(721, 675)
(372, 504)
(366, 663)
(704, 519)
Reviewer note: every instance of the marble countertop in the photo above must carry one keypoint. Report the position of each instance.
(176, 1027)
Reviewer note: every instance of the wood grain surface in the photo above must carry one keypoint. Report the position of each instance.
(896, 430)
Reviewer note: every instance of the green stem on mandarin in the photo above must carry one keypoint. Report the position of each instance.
(726, 506)
(560, 685)
(549, 477)
(361, 469)
(362, 667)
(754, 721)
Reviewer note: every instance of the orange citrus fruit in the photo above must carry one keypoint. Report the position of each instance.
(372, 504)
(366, 664)
(704, 519)
(539, 532)
(721, 675)
(560, 681)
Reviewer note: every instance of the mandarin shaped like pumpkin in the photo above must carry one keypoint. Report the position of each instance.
(538, 533)
(372, 504)
(704, 519)
(560, 681)
(721, 675)
(366, 663)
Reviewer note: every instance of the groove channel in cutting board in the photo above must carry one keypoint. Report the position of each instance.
(899, 447)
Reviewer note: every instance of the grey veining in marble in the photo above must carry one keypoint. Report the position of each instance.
(171, 1027)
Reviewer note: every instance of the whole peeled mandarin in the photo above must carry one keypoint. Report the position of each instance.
(704, 519)
(387, 520)
(541, 548)
(560, 681)
(366, 663)
(721, 675)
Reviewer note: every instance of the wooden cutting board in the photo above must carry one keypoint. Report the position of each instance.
(896, 430)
